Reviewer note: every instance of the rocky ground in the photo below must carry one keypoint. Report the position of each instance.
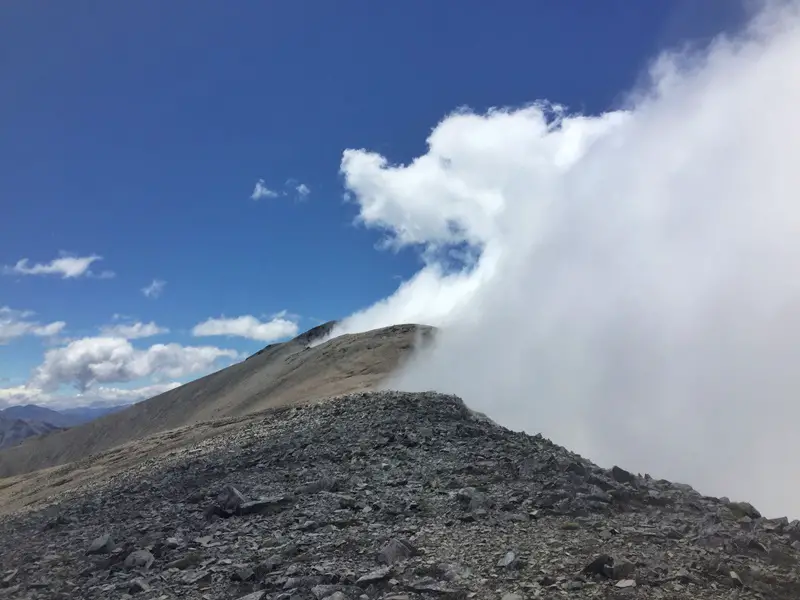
(392, 496)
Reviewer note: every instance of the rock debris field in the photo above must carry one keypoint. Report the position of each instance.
(387, 495)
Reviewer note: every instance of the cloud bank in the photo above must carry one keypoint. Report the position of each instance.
(626, 283)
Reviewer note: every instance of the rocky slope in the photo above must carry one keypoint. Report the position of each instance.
(393, 496)
(278, 375)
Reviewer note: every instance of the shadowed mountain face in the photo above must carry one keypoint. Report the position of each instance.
(279, 375)
(15, 431)
(68, 417)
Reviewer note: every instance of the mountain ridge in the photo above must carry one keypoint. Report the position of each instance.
(286, 373)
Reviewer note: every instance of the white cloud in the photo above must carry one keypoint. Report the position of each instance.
(113, 395)
(133, 331)
(249, 327)
(21, 394)
(16, 323)
(155, 289)
(49, 330)
(635, 295)
(95, 360)
(303, 191)
(94, 396)
(262, 191)
(68, 267)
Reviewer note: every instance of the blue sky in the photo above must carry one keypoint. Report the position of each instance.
(137, 132)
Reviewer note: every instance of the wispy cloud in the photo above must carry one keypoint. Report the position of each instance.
(303, 191)
(262, 191)
(17, 323)
(133, 331)
(249, 327)
(292, 187)
(155, 289)
(66, 266)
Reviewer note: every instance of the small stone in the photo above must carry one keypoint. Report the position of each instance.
(172, 543)
(736, 580)
(622, 476)
(577, 468)
(200, 577)
(779, 557)
(268, 565)
(602, 564)
(324, 484)
(138, 585)
(625, 583)
(744, 509)
(754, 544)
(471, 498)
(509, 561)
(376, 575)
(243, 574)
(230, 498)
(511, 596)
(9, 577)
(254, 596)
(454, 572)
(322, 592)
(264, 506)
(622, 569)
(547, 581)
(430, 585)
(396, 550)
(139, 559)
(101, 545)
(573, 585)
(184, 562)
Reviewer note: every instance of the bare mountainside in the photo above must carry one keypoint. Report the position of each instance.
(389, 496)
(280, 374)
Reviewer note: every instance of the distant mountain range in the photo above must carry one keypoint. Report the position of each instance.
(18, 423)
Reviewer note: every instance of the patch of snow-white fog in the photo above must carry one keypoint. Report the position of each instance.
(626, 283)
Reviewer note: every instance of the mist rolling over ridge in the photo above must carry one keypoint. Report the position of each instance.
(626, 283)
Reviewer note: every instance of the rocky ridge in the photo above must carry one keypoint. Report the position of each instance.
(394, 496)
